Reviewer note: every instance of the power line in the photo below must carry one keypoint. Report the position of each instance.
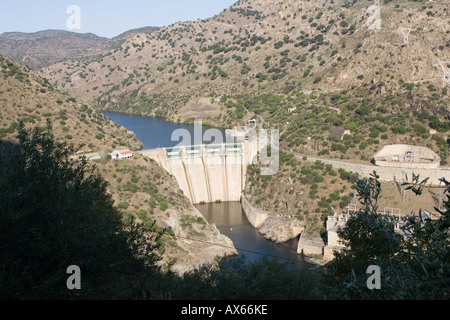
(240, 249)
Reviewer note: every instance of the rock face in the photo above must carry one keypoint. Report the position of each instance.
(198, 253)
(274, 227)
(197, 244)
(281, 229)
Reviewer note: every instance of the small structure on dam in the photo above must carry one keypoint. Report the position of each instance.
(406, 156)
(240, 134)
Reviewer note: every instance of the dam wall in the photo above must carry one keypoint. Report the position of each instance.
(208, 173)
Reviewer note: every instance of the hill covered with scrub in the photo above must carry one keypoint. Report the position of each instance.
(262, 46)
(139, 187)
(311, 68)
(26, 97)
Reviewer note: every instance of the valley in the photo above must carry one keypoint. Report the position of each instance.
(336, 88)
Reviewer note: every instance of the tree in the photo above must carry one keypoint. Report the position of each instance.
(237, 279)
(413, 267)
(367, 236)
(56, 213)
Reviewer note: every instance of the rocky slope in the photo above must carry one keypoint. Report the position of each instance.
(26, 97)
(312, 69)
(264, 46)
(140, 187)
(281, 229)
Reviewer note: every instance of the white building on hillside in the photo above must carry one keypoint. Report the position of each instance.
(121, 154)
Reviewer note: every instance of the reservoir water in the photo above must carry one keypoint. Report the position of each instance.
(156, 133)
(228, 217)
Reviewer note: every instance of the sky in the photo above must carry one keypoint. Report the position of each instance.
(106, 18)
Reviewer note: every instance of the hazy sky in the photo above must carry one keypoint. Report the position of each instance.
(107, 18)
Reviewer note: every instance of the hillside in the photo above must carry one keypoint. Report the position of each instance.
(311, 69)
(264, 46)
(26, 97)
(139, 186)
(44, 48)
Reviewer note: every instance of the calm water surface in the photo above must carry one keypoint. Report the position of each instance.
(153, 132)
(231, 220)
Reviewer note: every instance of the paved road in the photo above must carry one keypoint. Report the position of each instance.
(385, 173)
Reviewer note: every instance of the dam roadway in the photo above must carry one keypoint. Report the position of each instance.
(386, 173)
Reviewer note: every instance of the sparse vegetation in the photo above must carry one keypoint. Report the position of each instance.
(311, 69)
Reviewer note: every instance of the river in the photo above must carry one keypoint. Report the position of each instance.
(231, 220)
(229, 217)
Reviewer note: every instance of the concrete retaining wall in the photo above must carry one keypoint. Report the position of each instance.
(389, 173)
(255, 216)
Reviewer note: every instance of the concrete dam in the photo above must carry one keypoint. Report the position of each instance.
(209, 173)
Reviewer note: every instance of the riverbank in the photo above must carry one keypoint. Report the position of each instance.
(231, 220)
(282, 229)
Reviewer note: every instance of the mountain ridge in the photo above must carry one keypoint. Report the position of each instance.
(27, 98)
(47, 47)
(263, 46)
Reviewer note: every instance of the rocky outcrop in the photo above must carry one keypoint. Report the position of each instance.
(281, 228)
(197, 252)
(197, 243)
(274, 227)
(190, 241)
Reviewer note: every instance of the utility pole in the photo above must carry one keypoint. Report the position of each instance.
(403, 187)
(441, 196)
(406, 32)
(446, 76)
